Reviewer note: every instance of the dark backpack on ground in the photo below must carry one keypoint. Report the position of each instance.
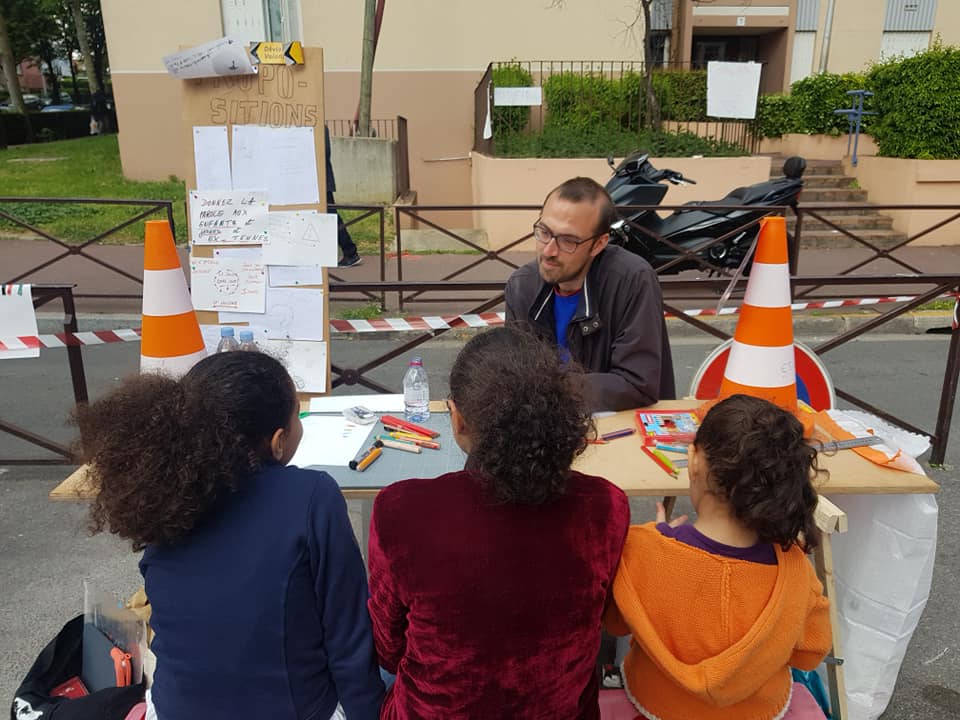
(59, 661)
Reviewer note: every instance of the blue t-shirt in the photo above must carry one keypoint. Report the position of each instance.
(564, 308)
(262, 611)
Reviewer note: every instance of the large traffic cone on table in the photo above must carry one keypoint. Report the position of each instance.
(170, 339)
(761, 361)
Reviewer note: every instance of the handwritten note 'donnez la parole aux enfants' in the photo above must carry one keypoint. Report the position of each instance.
(228, 217)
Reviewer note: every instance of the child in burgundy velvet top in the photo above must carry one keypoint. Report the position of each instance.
(487, 586)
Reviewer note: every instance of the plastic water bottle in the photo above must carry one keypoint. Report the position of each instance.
(416, 392)
(227, 340)
(247, 342)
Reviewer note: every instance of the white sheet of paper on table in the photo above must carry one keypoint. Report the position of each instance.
(338, 403)
(211, 157)
(228, 284)
(228, 217)
(330, 440)
(301, 239)
(291, 314)
(17, 319)
(282, 159)
(306, 362)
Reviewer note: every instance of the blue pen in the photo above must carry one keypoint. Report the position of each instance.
(673, 448)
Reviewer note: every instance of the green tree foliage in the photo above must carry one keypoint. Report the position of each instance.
(918, 104)
(809, 107)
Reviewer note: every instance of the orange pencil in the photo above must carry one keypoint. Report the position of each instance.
(660, 460)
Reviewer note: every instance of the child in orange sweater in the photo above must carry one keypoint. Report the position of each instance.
(718, 611)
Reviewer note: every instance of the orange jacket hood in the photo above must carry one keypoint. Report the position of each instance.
(721, 629)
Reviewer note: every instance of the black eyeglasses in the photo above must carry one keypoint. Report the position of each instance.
(566, 243)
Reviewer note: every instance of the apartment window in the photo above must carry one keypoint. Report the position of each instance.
(906, 44)
(257, 20)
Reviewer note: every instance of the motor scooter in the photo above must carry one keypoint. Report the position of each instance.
(692, 228)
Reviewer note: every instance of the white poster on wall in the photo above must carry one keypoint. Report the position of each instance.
(732, 89)
(523, 96)
(228, 284)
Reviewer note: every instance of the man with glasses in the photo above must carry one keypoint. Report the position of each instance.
(600, 303)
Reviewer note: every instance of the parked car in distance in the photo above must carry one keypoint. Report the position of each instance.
(62, 107)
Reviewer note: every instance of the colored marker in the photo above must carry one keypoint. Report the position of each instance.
(672, 448)
(398, 445)
(366, 459)
(660, 459)
(410, 435)
(408, 426)
(613, 434)
(416, 441)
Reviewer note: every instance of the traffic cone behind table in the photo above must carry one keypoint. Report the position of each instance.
(170, 339)
(761, 361)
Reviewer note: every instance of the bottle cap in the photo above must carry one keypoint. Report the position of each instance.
(416, 360)
(246, 335)
(226, 331)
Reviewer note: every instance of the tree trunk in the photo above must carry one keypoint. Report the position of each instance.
(366, 67)
(653, 104)
(75, 94)
(10, 69)
(81, 25)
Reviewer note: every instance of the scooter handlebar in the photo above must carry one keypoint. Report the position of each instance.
(677, 178)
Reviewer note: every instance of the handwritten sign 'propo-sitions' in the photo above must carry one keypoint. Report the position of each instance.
(228, 217)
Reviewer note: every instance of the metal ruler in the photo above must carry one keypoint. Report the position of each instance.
(847, 444)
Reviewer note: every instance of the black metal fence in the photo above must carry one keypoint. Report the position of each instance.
(919, 284)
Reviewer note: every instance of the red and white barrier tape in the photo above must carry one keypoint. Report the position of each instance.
(435, 322)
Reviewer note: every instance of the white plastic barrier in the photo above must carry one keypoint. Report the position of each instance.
(883, 567)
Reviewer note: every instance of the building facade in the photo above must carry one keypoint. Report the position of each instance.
(431, 56)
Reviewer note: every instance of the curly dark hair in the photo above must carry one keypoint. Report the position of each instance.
(163, 452)
(525, 414)
(760, 463)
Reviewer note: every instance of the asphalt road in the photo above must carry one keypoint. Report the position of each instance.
(45, 552)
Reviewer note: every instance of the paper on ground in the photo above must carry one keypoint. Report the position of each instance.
(338, 403)
(305, 361)
(224, 56)
(17, 319)
(330, 440)
(297, 238)
(211, 157)
(228, 284)
(291, 314)
(283, 160)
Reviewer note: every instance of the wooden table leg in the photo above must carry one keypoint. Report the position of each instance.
(831, 519)
(668, 504)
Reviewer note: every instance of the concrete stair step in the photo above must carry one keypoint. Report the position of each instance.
(828, 181)
(836, 239)
(814, 167)
(854, 208)
(833, 195)
(875, 221)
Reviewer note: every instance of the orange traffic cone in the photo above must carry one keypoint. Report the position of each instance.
(170, 334)
(761, 359)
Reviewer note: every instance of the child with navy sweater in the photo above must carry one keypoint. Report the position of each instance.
(255, 579)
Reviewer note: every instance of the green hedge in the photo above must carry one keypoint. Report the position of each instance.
(809, 107)
(601, 141)
(510, 119)
(918, 104)
(46, 126)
